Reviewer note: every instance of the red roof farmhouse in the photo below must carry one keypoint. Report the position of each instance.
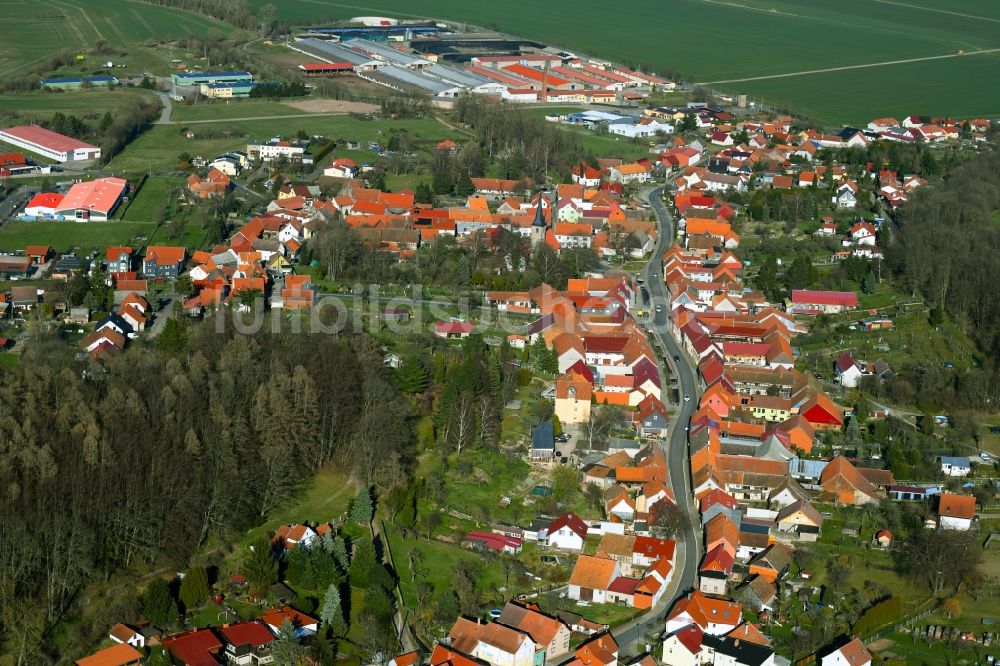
(807, 301)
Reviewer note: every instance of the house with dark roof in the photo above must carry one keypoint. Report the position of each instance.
(543, 445)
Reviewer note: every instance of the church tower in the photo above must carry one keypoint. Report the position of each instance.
(539, 226)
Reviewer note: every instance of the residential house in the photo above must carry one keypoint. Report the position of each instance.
(247, 643)
(573, 399)
(493, 643)
(163, 262)
(118, 259)
(122, 633)
(567, 533)
(801, 519)
(121, 654)
(715, 617)
(197, 647)
(955, 465)
(715, 570)
(214, 184)
(852, 654)
(453, 330)
(591, 578)
(847, 370)
(956, 512)
(842, 482)
(549, 634)
(651, 418)
(303, 624)
(290, 536)
(733, 651)
(543, 446)
(683, 646)
(601, 650)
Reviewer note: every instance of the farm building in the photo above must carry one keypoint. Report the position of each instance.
(326, 68)
(92, 201)
(77, 82)
(49, 144)
(806, 301)
(201, 78)
(227, 90)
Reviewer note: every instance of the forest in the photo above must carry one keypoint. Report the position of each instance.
(134, 465)
(947, 248)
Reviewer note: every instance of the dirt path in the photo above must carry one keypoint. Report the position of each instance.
(941, 11)
(848, 67)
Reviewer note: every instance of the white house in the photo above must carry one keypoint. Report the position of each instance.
(956, 512)
(955, 466)
(342, 167)
(863, 233)
(716, 617)
(121, 633)
(496, 644)
(682, 648)
(847, 371)
(852, 654)
(567, 533)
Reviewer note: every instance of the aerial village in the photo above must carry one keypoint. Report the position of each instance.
(758, 462)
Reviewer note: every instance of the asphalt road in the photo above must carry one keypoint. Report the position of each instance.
(631, 636)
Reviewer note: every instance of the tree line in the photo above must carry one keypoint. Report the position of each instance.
(947, 246)
(523, 145)
(111, 470)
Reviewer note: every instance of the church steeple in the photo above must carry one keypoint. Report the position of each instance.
(539, 212)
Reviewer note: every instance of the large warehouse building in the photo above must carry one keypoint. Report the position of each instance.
(200, 78)
(91, 201)
(49, 144)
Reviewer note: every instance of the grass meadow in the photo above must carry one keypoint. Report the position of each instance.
(709, 41)
(34, 30)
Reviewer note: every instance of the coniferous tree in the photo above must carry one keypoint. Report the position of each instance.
(158, 604)
(194, 588)
(361, 506)
(260, 568)
(332, 614)
(412, 375)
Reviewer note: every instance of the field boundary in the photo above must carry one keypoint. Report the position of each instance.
(848, 67)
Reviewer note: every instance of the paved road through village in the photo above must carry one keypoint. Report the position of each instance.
(631, 636)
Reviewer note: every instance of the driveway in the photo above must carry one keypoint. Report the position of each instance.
(164, 313)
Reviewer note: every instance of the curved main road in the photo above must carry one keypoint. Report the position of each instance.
(689, 550)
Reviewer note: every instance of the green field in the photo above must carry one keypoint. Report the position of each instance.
(159, 146)
(80, 103)
(33, 30)
(250, 108)
(65, 236)
(710, 41)
(150, 197)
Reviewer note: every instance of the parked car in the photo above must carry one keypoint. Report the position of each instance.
(687, 397)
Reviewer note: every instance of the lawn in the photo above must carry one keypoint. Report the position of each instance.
(160, 146)
(774, 37)
(321, 499)
(436, 565)
(150, 197)
(65, 236)
(34, 30)
(221, 109)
